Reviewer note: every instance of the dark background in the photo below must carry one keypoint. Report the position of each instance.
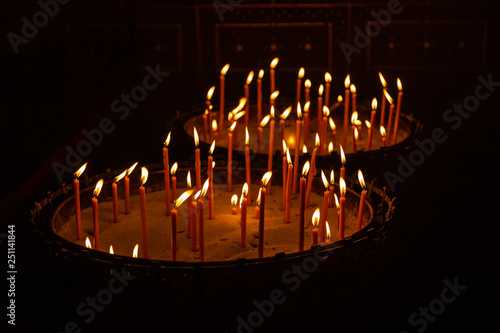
(65, 78)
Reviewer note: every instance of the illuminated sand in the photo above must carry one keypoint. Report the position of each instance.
(222, 235)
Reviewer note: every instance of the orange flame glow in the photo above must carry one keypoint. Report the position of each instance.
(325, 181)
(204, 189)
(342, 187)
(305, 168)
(135, 251)
(265, 178)
(382, 80)
(342, 155)
(167, 140)
(79, 172)
(289, 160)
(129, 170)
(274, 95)
(196, 138)
(210, 93)
(88, 244)
(285, 148)
(330, 147)
(304, 149)
(271, 112)
(368, 125)
(182, 198)
(400, 86)
(361, 179)
(327, 230)
(285, 113)
(214, 125)
(333, 127)
(353, 89)
(173, 169)
(337, 204)
(347, 81)
(261, 74)
(188, 179)
(232, 127)
(328, 77)
(120, 176)
(332, 177)
(320, 90)
(111, 249)
(98, 188)
(234, 200)
(382, 131)
(274, 63)
(374, 104)
(144, 175)
(249, 78)
(247, 136)
(224, 69)
(306, 106)
(326, 111)
(307, 84)
(316, 140)
(388, 97)
(354, 117)
(299, 111)
(265, 120)
(315, 218)
(301, 73)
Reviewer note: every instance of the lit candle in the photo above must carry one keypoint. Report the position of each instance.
(257, 207)
(288, 186)
(355, 134)
(311, 173)
(263, 184)
(234, 203)
(197, 162)
(272, 67)
(328, 80)
(398, 112)
(342, 208)
(328, 234)
(222, 79)
(114, 187)
(88, 245)
(166, 171)
(333, 127)
(190, 212)
(332, 186)
(347, 98)
(95, 212)
(337, 103)
(354, 97)
(259, 95)
(384, 91)
(330, 148)
(361, 201)
(209, 110)
(297, 149)
(211, 182)
(326, 113)
(142, 192)
(305, 170)
(247, 165)
(307, 105)
(247, 97)
(230, 157)
(299, 84)
(285, 168)
(214, 130)
(201, 220)
(205, 125)
(173, 234)
(383, 136)
(173, 170)
(283, 117)
(263, 123)
(342, 161)
(320, 106)
(315, 223)
(389, 120)
(111, 251)
(78, 213)
(233, 117)
(271, 148)
(307, 86)
(324, 217)
(243, 209)
(370, 123)
(272, 98)
(135, 251)
(127, 188)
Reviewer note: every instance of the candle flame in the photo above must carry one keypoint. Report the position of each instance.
(188, 179)
(320, 90)
(213, 164)
(224, 69)
(316, 140)
(333, 127)
(285, 113)
(274, 95)
(347, 81)
(204, 189)
(111, 249)
(234, 200)
(238, 115)
(210, 93)
(265, 120)
(271, 112)
(249, 78)
(299, 111)
(382, 131)
(79, 172)
(388, 97)
(285, 148)
(182, 198)
(214, 125)
(306, 106)
(382, 80)
(304, 149)
(324, 180)
(342, 187)
(98, 188)
(374, 104)
(167, 140)
(327, 230)
(332, 177)
(173, 170)
(196, 138)
(305, 168)
(144, 175)
(337, 204)
(361, 179)
(342, 155)
(307, 84)
(129, 170)
(232, 127)
(265, 178)
(247, 136)
(258, 199)
(356, 134)
(197, 195)
(88, 244)
(244, 190)
(368, 125)
(326, 111)
(301, 73)
(353, 89)
(274, 63)
(261, 74)
(315, 218)
(212, 147)
(340, 99)
(120, 176)
(328, 77)
(289, 160)
(354, 117)
(400, 86)
(135, 251)
(330, 147)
